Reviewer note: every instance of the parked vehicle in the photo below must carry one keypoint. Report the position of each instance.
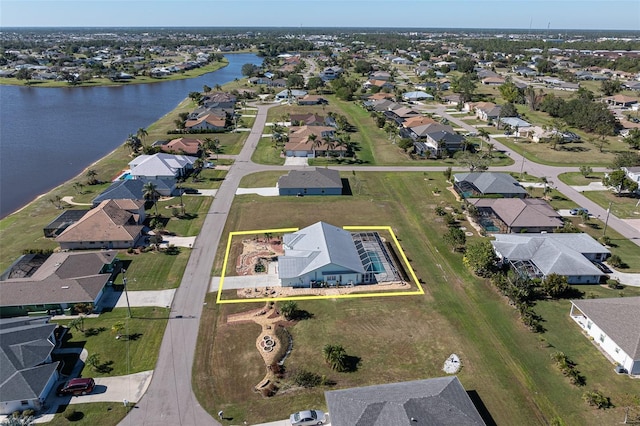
(79, 386)
(307, 418)
(578, 211)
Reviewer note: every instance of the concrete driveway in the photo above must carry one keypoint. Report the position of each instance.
(247, 281)
(161, 298)
(265, 192)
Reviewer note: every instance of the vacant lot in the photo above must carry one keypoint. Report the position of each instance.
(399, 338)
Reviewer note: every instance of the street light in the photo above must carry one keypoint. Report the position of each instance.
(126, 294)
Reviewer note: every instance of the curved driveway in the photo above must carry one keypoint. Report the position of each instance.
(170, 400)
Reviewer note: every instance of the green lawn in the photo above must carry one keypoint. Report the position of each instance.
(137, 349)
(507, 365)
(97, 413)
(576, 178)
(154, 270)
(265, 153)
(625, 206)
(260, 180)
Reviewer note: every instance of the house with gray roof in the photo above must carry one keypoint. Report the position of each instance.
(476, 184)
(438, 401)
(27, 371)
(613, 325)
(126, 189)
(517, 215)
(62, 281)
(539, 255)
(320, 253)
(319, 181)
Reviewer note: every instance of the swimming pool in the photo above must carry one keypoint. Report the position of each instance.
(376, 265)
(488, 225)
(125, 175)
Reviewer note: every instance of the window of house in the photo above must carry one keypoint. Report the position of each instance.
(602, 338)
(24, 402)
(589, 324)
(331, 278)
(617, 350)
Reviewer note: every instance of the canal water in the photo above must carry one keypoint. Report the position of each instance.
(50, 135)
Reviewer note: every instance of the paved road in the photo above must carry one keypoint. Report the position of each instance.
(169, 398)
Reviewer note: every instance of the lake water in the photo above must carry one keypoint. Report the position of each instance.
(50, 135)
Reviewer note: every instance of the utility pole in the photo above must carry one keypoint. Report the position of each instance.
(606, 221)
(126, 294)
(521, 167)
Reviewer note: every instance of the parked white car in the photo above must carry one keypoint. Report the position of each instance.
(307, 418)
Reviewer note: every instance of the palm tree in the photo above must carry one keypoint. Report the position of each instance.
(288, 309)
(547, 186)
(484, 134)
(312, 138)
(490, 148)
(91, 176)
(117, 328)
(142, 134)
(150, 193)
(336, 356)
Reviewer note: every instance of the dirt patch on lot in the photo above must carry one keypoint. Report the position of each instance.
(256, 253)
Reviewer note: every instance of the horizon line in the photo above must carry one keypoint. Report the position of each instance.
(550, 30)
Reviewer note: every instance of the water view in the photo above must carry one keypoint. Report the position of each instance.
(50, 135)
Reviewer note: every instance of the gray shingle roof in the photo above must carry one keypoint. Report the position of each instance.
(131, 189)
(562, 254)
(316, 246)
(317, 178)
(23, 347)
(64, 278)
(618, 317)
(439, 401)
(491, 183)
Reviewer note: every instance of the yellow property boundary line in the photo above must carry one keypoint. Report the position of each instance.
(408, 267)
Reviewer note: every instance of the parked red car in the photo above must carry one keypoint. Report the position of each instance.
(79, 386)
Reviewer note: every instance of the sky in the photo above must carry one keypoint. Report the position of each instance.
(519, 14)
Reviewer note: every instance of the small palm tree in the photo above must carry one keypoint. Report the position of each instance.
(336, 356)
(117, 328)
(288, 309)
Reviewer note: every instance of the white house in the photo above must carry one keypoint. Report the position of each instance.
(320, 253)
(162, 169)
(614, 325)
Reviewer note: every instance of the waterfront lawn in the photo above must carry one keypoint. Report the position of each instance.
(93, 414)
(395, 338)
(137, 350)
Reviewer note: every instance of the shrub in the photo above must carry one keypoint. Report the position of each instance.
(28, 413)
(605, 240)
(307, 379)
(73, 415)
(597, 399)
(615, 261)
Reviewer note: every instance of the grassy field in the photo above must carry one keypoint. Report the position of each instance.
(97, 413)
(625, 206)
(137, 349)
(397, 338)
(576, 178)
